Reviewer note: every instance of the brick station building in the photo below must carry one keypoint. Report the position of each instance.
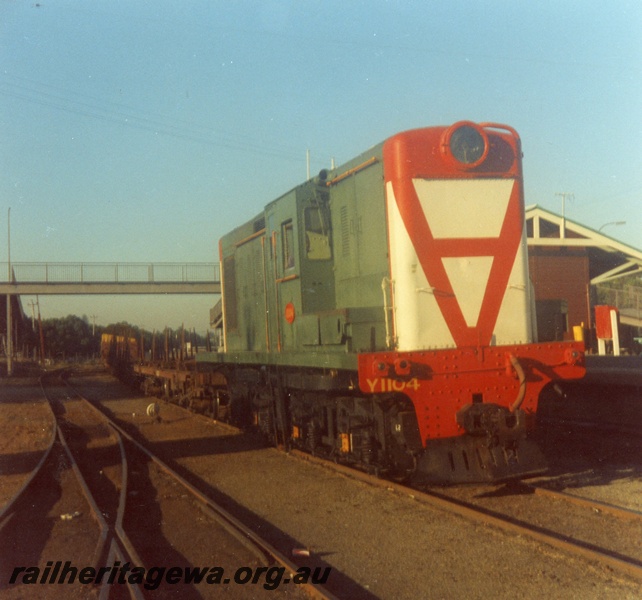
(573, 268)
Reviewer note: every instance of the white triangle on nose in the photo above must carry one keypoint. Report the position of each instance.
(469, 208)
(468, 277)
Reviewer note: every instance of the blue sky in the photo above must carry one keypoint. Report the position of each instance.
(143, 131)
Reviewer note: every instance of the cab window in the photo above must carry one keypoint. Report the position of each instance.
(287, 235)
(317, 234)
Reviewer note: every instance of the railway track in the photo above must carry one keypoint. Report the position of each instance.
(261, 553)
(582, 527)
(97, 456)
(140, 517)
(224, 446)
(553, 518)
(50, 510)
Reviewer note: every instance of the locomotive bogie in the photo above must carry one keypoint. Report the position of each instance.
(378, 433)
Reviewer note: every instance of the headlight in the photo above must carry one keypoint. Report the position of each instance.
(466, 143)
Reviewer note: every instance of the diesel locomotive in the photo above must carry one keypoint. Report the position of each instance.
(381, 314)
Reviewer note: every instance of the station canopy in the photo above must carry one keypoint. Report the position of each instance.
(609, 259)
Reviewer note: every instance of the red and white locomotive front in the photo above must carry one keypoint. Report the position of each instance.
(460, 313)
(457, 245)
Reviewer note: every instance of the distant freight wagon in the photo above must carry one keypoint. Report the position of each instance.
(117, 349)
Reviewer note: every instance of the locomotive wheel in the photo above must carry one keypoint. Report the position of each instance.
(403, 465)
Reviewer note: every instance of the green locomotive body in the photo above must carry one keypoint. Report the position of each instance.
(302, 280)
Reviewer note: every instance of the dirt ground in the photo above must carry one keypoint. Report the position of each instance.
(27, 427)
(378, 544)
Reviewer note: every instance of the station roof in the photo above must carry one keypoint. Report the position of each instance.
(609, 258)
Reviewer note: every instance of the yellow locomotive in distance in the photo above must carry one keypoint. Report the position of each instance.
(117, 348)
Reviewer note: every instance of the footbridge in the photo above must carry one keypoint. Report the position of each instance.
(31, 279)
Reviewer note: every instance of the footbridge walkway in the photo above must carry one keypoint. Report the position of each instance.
(109, 278)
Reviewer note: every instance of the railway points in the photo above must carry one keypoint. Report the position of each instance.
(117, 514)
(51, 511)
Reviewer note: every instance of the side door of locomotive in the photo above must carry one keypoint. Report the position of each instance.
(282, 266)
(317, 266)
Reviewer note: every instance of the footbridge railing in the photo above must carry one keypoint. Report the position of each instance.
(109, 278)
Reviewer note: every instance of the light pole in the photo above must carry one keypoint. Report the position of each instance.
(564, 196)
(612, 223)
(9, 336)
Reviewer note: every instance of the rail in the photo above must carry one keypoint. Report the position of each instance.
(74, 272)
